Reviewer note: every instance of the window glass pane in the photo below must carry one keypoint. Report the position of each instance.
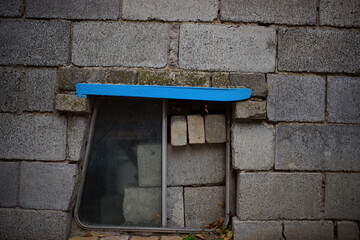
(123, 175)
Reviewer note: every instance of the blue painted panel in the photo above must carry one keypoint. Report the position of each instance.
(167, 92)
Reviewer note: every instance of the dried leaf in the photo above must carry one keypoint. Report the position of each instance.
(229, 234)
(88, 234)
(101, 235)
(200, 236)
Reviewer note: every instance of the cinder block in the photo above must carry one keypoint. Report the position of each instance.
(300, 230)
(8, 184)
(196, 164)
(11, 8)
(33, 42)
(47, 185)
(249, 110)
(256, 82)
(32, 137)
(220, 80)
(256, 230)
(40, 90)
(170, 10)
(343, 99)
(120, 44)
(178, 131)
(71, 103)
(174, 78)
(317, 147)
(196, 129)
(319, 50)
(175, 200)
(347, 230)
(77, 135)
(342, 196)
(68, 77)
(73, 9)
(215, 128)
(343, 13)
(142, 206)
(203, 205)
(9, 89)
(30, 224)
(296, 98)
(121, 77)
(262, 196)
(252, 146)
(298, 12)
(149, 165)
(227, 48)
(174, 33)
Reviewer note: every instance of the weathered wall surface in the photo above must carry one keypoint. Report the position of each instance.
(295, 144)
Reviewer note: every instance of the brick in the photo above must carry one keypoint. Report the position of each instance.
(343, 99)
(298, 12)
(319, 50)
(8, 184)
(317, 147)
(30, 224)
(340, 13)
(342, 196)
(203, 205)
(320, 230)
(77, 135)
(47, 186)
(11, 8)
(120, 44)
(249, 110)
(121, 77)
(71, 103)
(196, 164)
(9, 89)
(256, 82)
(347, 230)
(178, 129)
(40, 90)
(215, 128)
(175, 201)
(252, 146)
(296, 98)
(73, 9)
(68, 77)
(149, 164)
(170, 10)
(32, 137)
(263, 196)
(256, 230)
(196, 129)
(227, 48)
(174, 79)
(33, 42)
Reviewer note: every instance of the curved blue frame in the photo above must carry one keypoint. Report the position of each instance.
(164, 92)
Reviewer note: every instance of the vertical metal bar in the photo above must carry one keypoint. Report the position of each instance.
(164, 166)
(227, 166)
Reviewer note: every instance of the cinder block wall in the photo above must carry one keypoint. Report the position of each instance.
(295, 144)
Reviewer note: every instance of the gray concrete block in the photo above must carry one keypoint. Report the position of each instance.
(342, 196)
(227, 48)
(30, 224)
(120, 44)
(309, 230)
(196, 129)
(249, 110)
(196, 164)
(33, 42)
(77, 135)
(121, 77)
(318, 50)
(168, 78)
(73, 9)
(343, 99)
(173, 57)
(170, 10)
(348, 230)
(72, 103)
(256, 230)
(9, 89)
(8, 184)
(178, 130)
(340, 13)
(68, 77)
(149, 164)
(215, 128)
(40, 90)
(11, 8)
(47, 185)
(298, 12)
(296, 98)
(252, 146)
(32, 137)
(262, 196)
(175, 201)
(256, 82)
(317, 147)
(203, 205)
